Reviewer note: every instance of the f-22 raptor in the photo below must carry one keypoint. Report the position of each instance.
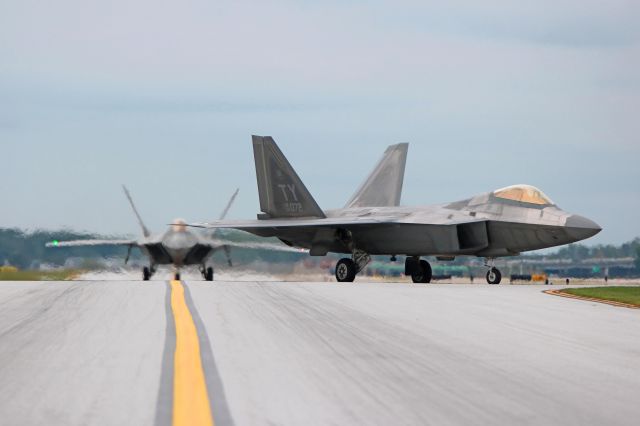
(177, 246)
(505, 222)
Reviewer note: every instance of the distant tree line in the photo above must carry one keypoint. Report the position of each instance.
(578, 252)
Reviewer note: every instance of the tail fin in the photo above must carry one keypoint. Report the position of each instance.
(229, 204)
(224, 214)
(282, 193)
(383, 187)
(145, 231)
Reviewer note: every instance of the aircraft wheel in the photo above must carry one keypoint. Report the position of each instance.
(423, 273)
(177, 276)
(345, 270)
(494, 276)
(146, 274)
(209, 274)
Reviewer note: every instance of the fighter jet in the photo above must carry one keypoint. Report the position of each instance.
(177, 246)
(505, 222)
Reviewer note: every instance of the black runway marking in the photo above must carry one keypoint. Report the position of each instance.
(217, 399)
(164, 406)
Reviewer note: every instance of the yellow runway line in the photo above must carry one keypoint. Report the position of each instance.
(190, 398)
(590, 299)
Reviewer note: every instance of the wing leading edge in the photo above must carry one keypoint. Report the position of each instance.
(85, 243)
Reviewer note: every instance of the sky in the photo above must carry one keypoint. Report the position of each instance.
(165, 95)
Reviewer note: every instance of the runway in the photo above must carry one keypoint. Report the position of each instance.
(104, 353)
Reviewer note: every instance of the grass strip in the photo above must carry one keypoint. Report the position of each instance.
(630, 295)
(61, 275)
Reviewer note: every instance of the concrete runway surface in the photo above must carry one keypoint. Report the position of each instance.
(114, 353)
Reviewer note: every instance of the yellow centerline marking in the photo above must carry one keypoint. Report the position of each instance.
(190, 398)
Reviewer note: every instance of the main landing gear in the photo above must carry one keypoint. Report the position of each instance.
(347, 269)
(147, 273)
(419, 269)
(493, 274)
(207, 273)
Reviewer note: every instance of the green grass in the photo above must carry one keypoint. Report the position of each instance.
(62, 275)
(629, 295)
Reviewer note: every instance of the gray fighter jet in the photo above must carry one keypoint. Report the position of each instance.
(177, 246)
(505, 222)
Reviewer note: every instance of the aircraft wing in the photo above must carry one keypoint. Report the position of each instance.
(298, 223)
(84, 243)
(255, 245)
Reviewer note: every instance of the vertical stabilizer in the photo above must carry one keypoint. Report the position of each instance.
(145, 230)
(229, 204)
(383, 187)
(282, 193)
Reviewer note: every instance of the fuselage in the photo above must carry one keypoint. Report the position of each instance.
(177, 246)
(486, 225)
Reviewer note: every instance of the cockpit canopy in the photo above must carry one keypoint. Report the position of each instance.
(179, 225)
(524, 194)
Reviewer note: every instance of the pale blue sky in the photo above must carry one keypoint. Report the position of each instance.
(164, 95)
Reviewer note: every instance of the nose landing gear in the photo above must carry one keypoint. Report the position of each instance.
(493, 274)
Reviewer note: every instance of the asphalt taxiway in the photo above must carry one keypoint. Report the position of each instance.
(257, 353)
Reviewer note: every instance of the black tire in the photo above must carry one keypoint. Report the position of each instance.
(209, 274)
(494, 276)
(423, 273)
(146, 274)
(345, 270)
(177, 276)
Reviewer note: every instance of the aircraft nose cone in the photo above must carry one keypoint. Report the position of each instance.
(581, 227)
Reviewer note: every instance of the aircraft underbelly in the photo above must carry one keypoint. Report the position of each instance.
(158, 254)
(519, 237)
(419, 239)
(483, 238)
(197, 255)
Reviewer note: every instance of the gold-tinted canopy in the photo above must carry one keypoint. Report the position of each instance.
(524, 194)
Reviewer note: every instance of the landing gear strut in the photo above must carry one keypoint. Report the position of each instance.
(493, 274)
(147, 272)
(208, 274)
(347, 269)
